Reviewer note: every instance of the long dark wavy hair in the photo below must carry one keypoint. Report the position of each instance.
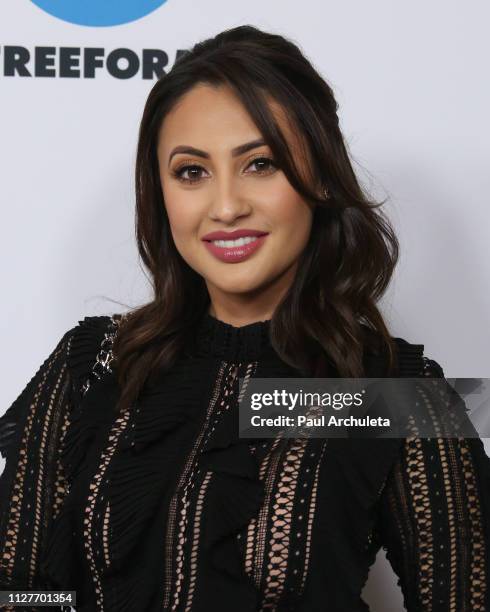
(329, 314)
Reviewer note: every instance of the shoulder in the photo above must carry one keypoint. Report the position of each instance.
(91, 335)
(411, 356)
(68, 361)
(414, 360)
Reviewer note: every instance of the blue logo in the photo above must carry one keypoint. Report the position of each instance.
(99, 13)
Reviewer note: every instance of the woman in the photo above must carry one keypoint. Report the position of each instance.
(125, 477)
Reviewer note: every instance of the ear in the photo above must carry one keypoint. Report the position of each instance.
(323, 192)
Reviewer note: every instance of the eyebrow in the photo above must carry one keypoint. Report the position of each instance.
(239, 150)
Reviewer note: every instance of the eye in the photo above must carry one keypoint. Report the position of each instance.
(259, 162)
(193, 170)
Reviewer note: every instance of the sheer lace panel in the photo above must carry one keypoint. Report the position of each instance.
(430, 521)
(278, 542)
(33, 485)
(96, 507)
(186, 505)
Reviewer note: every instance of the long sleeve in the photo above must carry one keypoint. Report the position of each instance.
(32, 484)
(434, 521)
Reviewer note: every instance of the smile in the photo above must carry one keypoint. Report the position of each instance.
(233, 251)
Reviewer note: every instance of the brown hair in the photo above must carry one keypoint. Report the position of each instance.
(329, 312)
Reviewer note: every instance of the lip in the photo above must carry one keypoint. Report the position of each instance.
(235, 254)
(239, 233)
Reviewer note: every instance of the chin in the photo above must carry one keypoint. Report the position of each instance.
(238, 285)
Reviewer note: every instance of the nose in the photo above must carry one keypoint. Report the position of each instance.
(228, 204)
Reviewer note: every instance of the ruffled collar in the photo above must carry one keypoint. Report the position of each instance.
(215, 338)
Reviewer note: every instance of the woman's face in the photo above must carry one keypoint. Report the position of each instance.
(217, 187)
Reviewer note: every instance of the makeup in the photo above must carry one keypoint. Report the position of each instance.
(236, 250)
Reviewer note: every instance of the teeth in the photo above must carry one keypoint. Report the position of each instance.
(234, 243)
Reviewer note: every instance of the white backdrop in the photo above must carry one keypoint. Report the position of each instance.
(411, 80)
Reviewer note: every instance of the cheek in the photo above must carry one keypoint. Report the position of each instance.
(174, 205)
(183, 218)
(183, 233)
(295, 216)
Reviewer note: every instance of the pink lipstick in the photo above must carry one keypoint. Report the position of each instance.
(247, 242)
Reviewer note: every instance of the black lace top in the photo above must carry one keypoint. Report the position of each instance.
(164, 507)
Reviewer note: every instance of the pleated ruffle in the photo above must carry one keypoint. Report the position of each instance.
(234, 498)
(353, 474)
(89, 416)
(149, 446)
(143, 474)
(154, 442)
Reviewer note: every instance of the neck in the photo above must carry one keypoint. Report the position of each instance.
(218, 338)
(239, 309)
(239, 319)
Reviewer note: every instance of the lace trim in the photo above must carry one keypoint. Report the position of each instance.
(176, 534)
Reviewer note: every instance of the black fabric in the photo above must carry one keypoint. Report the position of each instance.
(166, 508)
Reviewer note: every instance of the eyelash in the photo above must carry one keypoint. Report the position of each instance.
(180, 171)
